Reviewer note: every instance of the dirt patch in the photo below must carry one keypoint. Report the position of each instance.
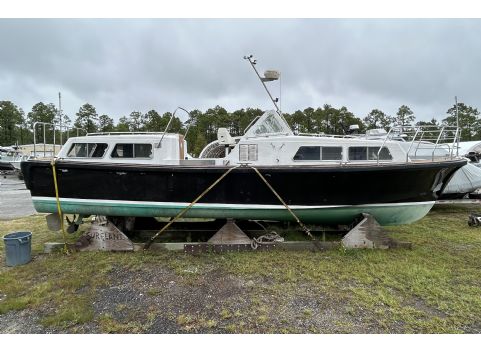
(22, 322)
(165, 302)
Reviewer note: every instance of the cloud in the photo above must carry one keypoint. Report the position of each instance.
(125, 65)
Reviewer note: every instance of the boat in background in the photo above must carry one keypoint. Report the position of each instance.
(10, 159)
(471, 150)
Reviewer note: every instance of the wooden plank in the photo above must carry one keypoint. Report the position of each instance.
(286, 245)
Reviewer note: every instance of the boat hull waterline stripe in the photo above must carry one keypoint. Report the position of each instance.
(386, 214)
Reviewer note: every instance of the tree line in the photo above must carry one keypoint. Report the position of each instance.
(16, 127)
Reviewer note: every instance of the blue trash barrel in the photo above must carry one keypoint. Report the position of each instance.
(18, 248)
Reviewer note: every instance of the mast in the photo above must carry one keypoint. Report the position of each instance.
(263, 80)
(60, 115)
(457, 125)
(269, 75)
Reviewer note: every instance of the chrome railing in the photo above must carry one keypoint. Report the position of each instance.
(426, 137)
(54, 128)
(321, 134)
(121, 133)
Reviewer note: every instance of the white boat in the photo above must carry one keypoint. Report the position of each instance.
(322, 179)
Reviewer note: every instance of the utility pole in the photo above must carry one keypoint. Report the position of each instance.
(60, 115)
(457, 125)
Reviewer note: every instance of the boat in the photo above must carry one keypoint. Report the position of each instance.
(6, 166)
(10, 159)
(324, 180)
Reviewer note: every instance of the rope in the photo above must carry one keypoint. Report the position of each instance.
(178, 216)
(301, 224)
(268, 238)
(65, 249)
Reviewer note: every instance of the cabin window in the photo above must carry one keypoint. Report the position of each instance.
(130, 150)
(308, 153)
(357, 153)
(384, 154)
(87, 150)
(248, 152)
(318, 153)
(369, 153)
(331, 153)
(269, 125)
(142, 150)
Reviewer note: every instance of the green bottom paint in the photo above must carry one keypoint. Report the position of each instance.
(385, 214)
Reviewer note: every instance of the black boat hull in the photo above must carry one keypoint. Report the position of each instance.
(6, 166)
(394, 194)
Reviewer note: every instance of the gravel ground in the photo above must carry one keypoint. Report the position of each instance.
(157, 300)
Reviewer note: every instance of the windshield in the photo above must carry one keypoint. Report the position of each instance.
(269, 123)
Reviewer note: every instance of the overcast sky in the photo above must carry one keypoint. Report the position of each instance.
(124, 65)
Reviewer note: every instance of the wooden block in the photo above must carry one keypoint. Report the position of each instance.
(104, 238)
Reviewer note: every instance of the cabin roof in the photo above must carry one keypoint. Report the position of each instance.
(132, 137)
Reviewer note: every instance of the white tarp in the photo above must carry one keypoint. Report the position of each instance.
(467, 179)
(470, 146)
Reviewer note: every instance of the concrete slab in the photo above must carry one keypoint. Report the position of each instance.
(15, 200)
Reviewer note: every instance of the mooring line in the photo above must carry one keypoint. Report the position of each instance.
(59, 209)
(178, 216)
(301, 224)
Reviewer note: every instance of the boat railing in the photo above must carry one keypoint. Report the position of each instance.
(122, 133)
(54, 128)
(329, 135)
(161, 133)
(424, 140)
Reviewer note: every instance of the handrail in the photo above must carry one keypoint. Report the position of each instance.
(328, 135)
(383, 143)
(410, 146)
(77, 129)
(436, 136)
(437, 141)
(44, 134)
(456, 138)
(420, 140)
(121, 133)
(54, 145)
(170, 121)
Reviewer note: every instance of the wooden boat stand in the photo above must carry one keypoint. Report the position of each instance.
(105, 236)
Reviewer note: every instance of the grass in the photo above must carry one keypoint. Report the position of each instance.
(109, 325)
(433, 288)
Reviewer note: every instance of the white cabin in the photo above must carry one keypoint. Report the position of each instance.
(269, 141)
(138, 148)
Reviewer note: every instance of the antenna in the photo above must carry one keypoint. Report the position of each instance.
(269, 76)
(457, 124)
(60, 115)
(280, 91)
